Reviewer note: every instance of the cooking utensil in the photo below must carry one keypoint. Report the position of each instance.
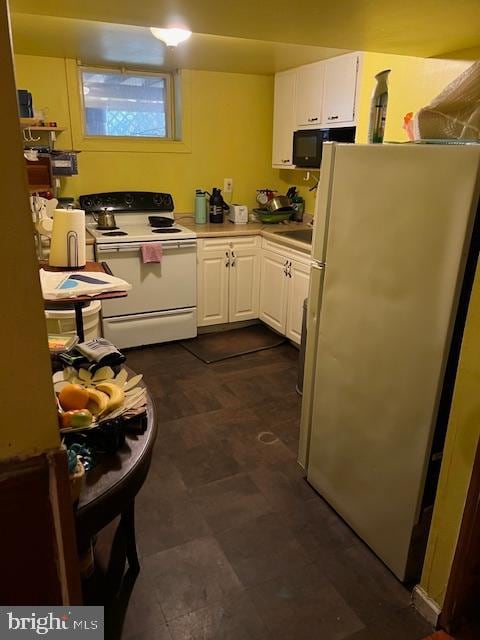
(105, 220)
(267, 217)
(291, 193)
(278, 203)
(160, 221)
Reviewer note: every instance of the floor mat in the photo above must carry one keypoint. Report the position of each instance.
(212, 347)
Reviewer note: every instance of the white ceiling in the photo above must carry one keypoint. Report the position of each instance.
(101, 42)
(244, 35)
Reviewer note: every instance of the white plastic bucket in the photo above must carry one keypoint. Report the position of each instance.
(63, 321)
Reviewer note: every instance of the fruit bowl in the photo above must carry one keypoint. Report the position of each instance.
(103, 396)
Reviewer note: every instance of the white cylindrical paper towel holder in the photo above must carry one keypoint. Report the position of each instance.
(67, 248)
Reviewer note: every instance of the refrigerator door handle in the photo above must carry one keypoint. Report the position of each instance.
(315, 301)
(315, 294)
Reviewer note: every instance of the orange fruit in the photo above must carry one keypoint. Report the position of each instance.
(73, 396)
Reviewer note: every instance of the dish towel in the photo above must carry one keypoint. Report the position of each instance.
(152, 252)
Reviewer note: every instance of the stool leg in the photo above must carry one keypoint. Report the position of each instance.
(127, 523)
(78, 306)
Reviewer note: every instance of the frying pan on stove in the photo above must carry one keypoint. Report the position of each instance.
(160, 221)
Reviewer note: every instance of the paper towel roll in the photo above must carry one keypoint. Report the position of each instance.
(67, 248)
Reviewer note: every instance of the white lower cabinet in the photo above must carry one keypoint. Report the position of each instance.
(273, 290)
(228, 278)
(297, 292)
(284, 282)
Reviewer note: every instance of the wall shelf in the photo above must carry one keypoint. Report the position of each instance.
(34, 125)
(58, 129)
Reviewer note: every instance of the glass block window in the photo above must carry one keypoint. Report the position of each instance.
(126, 104)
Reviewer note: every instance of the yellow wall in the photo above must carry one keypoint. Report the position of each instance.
(230, 118)
(412, 84)
(29, 422)
(462, 437)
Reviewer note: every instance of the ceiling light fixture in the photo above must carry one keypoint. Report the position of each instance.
(171, 37)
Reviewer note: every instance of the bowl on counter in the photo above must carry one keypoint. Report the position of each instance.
(278, 204)
(267, 217)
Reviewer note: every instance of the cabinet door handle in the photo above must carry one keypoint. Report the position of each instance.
(234, 258)
(312, 119)
(332, 118)
(289, 269)
(285, 161)
(227, 255)
(285, 268)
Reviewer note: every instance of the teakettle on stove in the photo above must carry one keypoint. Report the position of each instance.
(105, 220)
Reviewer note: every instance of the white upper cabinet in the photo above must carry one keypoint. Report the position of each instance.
(309, 96)
(283, 119)
(340, 90)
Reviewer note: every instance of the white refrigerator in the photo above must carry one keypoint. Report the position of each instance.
(392, 268)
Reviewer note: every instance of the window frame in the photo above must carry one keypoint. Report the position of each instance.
(169, 107)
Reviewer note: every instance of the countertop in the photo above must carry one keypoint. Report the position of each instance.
(270, 231)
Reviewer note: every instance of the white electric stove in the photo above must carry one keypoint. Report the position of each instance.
(161, 306)
(135, 227)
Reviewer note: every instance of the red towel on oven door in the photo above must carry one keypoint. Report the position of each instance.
(152, 252)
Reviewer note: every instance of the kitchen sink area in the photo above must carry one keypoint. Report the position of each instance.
(301, 235)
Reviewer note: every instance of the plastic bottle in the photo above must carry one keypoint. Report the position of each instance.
(378, 108)
(298, 204)
(216, 206)
(200, 207)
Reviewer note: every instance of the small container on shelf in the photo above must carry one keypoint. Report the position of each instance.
(58, 343)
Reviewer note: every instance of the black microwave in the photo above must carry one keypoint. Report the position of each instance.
(307, 144)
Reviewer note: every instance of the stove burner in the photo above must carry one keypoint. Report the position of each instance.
(115, 233)
(166, 230)
(106, 228)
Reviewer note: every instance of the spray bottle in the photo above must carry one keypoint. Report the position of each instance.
(378, 109)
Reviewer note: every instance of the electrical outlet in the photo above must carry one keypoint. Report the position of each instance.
(227, 185)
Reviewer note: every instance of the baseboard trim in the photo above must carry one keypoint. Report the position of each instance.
(425, 605)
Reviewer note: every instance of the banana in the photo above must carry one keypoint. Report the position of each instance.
(115, 394)
(98, 401)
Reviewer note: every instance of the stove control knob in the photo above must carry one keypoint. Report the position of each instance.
(87, 203)
(157, 199)
(97, 202)
(128, 199)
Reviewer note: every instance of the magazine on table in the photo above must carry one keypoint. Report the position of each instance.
(57, 285)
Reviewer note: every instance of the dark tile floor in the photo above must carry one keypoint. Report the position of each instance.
(234, 543)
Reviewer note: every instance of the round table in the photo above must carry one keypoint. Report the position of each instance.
(110, 488)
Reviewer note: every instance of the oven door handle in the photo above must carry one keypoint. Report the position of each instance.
(125, 246)
(152, 314)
